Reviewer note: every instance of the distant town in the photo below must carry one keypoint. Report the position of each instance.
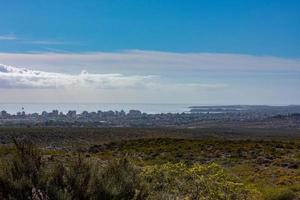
(134, 118)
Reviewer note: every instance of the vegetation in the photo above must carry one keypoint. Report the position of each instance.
(27, 176)
(133, 165)
(195, 182)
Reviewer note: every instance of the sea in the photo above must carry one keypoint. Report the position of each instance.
(147, 108)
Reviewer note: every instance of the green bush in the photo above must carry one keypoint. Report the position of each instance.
(20, 178)
(69, 182)
(279, 194)
(82, 180)
(26, 176)
(121, 180)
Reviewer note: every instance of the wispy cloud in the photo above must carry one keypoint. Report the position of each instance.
(7, 37)
(37, 42)
(47, 42)
(151, 61)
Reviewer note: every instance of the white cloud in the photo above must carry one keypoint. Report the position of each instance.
(13, 77)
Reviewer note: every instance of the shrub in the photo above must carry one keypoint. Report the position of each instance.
(195, 182)
(20, 178)
(26, 176)
(120, 179)
(69, 181)
(279, 194)
(82, 180)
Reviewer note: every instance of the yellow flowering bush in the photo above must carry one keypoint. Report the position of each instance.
(211, 182)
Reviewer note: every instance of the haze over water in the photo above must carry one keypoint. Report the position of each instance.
(147, 108)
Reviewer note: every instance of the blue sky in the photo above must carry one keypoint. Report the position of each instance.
(269, 27)
(252, 48)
